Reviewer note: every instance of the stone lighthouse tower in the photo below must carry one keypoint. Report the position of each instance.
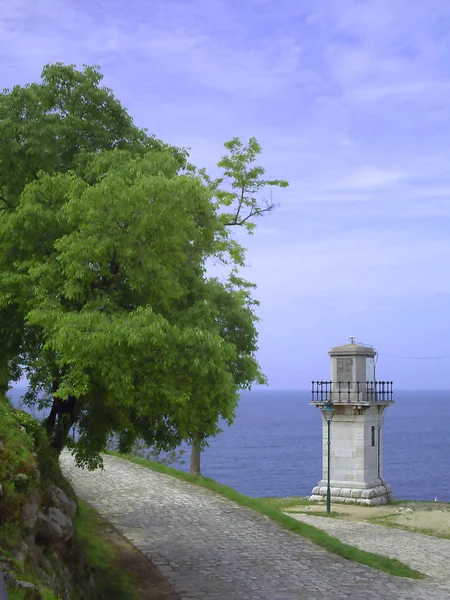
(353, 405)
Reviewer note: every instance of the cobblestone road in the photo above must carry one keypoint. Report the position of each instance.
(212, 549)
(425, 553)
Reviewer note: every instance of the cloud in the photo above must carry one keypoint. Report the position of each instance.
(349, 100)
(369, 178)
(415, 91)
(353, 264)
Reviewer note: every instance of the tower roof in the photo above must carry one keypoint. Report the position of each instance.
(351, 350)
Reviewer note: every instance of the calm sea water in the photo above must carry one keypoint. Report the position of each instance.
(274, 446)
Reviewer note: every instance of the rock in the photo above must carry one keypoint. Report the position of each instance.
(9, 579)
(356, 493)
(337, 500)
(316, 491)
(316, 498)
(30, 510)
(377, 500)
(364, 501)
(60, 500)
(346, 492)
(54, 527)
(366, 494)
(22, 553)
(380, 490)
(31, 591)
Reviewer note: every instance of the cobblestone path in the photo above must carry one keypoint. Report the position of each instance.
(210, 548)
(427, 554)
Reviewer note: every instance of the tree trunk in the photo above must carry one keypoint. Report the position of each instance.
(62, 416)
(195, 460)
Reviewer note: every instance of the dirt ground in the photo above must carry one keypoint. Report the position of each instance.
(432, 518)
(152, 583)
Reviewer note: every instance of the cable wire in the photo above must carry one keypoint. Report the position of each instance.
(415, 357)
(403, 357)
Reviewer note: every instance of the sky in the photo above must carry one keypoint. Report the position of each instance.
(349, 101)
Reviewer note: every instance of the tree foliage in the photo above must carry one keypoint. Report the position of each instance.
(105, 302)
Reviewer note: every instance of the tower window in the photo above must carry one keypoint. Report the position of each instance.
(373, 435)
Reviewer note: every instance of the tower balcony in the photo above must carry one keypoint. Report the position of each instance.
(361, 393)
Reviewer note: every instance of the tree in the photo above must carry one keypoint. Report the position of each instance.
(54, 126)
(103, 274)
(239, 208)
(105, 304)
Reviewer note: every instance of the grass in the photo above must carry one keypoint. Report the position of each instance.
(18, 594)
(285, 503)
(318, 513)
(271, 509)
(111, 581)
(385, 521)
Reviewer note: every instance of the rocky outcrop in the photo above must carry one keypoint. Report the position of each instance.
(49, 518)
(31, 507)
(53, 527)
(61, 501)
(47, 521)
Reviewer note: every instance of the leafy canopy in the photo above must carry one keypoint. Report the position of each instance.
(105, 302)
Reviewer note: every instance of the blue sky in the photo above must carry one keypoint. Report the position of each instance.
(349, 100)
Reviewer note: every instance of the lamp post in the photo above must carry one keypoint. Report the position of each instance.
(328, 410)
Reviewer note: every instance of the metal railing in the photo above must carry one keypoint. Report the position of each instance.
(351, 392)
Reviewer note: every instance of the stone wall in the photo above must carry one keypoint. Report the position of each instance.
(370, 496)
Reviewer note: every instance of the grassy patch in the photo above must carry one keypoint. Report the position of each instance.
(263, 506)
(385, 521)
(285, 503)
(318, 513)
(110, 580)
(16, 594)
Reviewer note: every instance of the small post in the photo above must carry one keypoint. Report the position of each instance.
(328, 411)
(329, 470)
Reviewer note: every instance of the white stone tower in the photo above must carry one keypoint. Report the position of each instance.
(359, 402)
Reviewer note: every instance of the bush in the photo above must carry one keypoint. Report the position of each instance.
(18, 467)
(27, 460)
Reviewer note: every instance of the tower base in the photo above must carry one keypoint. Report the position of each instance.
(372, 496)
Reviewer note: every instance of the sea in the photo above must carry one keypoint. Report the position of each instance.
(274, 446)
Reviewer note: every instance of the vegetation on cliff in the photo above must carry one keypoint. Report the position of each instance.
(49, 547)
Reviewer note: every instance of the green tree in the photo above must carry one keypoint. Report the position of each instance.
(54, 126)
(105, 303)
(238, 207)
(103, 273)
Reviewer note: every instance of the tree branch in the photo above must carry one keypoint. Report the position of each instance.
(254, 212)
(8, 204)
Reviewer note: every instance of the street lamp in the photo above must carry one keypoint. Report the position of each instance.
(328, 410)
